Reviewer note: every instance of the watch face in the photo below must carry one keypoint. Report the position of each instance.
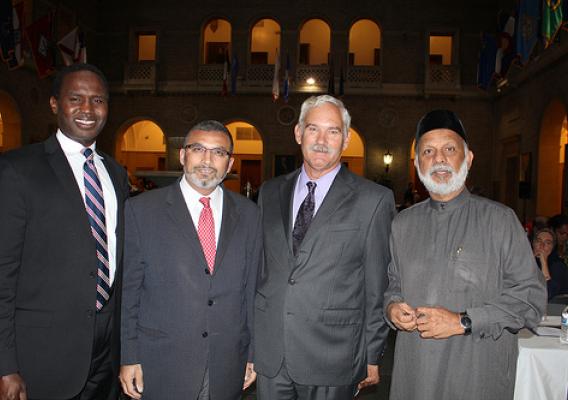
(465, 322)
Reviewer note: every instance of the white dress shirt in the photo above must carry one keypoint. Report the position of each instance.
(76, 159)
(192, 196)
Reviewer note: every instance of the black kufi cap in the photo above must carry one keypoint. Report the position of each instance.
(440, 119)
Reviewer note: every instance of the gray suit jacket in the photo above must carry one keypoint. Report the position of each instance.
(177, 319)
(322, 310)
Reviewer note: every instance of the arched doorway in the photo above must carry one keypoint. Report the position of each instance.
(354, 155)
(365, 43)
(216, 41)
(141, 146)
(551, 183)
(315, 40)
(265, 41)
(246, 175)
(10, 123)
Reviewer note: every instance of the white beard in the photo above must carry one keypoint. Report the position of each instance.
(455, 183)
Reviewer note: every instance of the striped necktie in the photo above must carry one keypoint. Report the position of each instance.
(95, 205)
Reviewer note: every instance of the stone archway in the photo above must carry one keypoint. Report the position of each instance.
(141, 146)
(551, 151)
(246, 176)
(10, 123)
(354, 155)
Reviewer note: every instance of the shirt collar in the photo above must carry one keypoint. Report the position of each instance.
(71, 147)
(323, 182)
(456, 202)
(194, 196)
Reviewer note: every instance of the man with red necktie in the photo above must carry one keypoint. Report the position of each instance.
(191, 259)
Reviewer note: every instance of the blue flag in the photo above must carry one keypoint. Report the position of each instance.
(331, 82)
(234, 73)
(6, 30)
(487, 56)
(527, 28)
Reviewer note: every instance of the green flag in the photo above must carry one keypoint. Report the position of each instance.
(551, 20)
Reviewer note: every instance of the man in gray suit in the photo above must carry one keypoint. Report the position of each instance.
(192, 251)
(319, 328)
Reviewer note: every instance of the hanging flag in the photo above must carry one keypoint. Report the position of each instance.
(72, 47)
(276, 78)
(287, 79)
(487, 58)
(341, 81)
(225, 74)
(234, 73)
(527, 28)
(551, 20)
(40, 38)
(16, 56)
(331, 81)
(6, 29)
(506, 52)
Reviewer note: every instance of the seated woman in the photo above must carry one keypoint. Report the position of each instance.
(554, 270)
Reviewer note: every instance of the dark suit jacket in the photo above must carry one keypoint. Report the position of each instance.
(177, 318)
(48, 269)
(322, 310)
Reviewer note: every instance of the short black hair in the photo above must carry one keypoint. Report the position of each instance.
(62, 73)
(211, 125)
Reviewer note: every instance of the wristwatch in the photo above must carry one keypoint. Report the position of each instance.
(465, 322)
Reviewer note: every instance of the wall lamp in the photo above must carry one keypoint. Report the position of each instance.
(387, 158)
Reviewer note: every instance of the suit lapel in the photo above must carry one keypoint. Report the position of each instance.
(286, 205)
(179, 215)
(228, 225)
(62, 170)
(340, 193)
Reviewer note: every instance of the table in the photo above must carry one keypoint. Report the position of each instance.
(542, 368)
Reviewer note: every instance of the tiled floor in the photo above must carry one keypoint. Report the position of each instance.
(381, 391)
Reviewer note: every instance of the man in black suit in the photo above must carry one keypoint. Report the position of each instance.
(60, 250)
(192, 251)
(319, 328)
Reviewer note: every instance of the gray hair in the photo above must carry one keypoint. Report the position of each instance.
(316, 101)
(211, 126)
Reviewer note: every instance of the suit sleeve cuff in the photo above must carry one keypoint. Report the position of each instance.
(8, 363)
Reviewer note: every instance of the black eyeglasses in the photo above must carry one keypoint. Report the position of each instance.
(199, 149)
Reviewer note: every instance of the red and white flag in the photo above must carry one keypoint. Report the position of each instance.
(276, 79)
(72, 47)
(40, 37)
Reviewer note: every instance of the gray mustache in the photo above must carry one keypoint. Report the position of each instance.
(320, 148)
(441, 168)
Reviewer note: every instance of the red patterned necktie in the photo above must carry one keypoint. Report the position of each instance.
(206, 233)
(95, 205)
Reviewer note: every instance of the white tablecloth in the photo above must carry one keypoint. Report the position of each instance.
(542, 368)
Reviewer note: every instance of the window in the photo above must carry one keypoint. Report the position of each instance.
(216, 41)
(441, 49)
(146, 47)
(364, 43)
(265, 41)
(315, 39)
